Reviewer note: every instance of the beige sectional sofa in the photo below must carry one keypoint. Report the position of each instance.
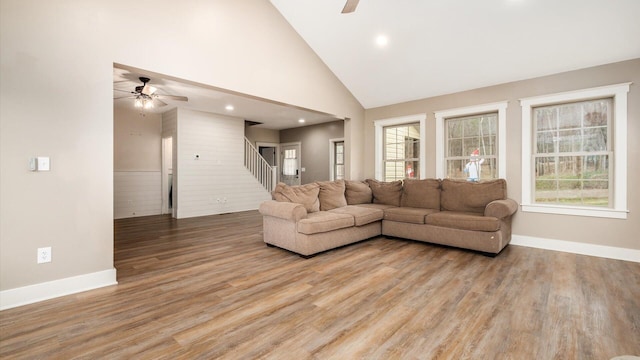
(316, 217)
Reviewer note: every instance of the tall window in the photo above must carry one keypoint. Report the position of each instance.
(401, 152)
(471, 142)
(400, 149)
(574, 152)
(338, 160)
(471, 147)
(289, 164)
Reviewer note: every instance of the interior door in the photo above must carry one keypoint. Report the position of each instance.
(290, 169)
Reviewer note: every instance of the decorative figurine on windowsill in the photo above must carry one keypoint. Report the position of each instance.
(473, 168)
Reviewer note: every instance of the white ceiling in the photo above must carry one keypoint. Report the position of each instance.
(438, 47)
(273, 115)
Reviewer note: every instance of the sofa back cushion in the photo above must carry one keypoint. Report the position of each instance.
(467, 196)
(306, 195)
(387, 193)
(332, 194)
(357, 192)
(421, 193)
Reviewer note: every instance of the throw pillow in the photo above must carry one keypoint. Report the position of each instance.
(332, 194)
(357, 192)
(306, 195)
(387, 193)
(421, 193)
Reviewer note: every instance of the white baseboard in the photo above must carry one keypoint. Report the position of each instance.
(609, 252)
(48, 290)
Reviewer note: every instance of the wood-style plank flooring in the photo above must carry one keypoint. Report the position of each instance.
(209, 288)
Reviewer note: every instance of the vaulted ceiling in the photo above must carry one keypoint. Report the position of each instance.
(435, 47)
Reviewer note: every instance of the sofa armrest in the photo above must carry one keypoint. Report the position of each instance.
(501, 208)
(283, 210)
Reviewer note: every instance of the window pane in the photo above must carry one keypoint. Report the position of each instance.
(455, 169)
(595, 139)
(570, 116)
(545, 143)
(411, 169)
(455, 147)
(569, 141)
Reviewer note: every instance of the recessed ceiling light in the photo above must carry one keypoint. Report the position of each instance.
(229, 107)
(301, 120)
(382, 40)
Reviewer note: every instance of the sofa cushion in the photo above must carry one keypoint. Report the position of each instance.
(362, 215)
(323, 221)
(331, 194)
(306, 195)
(463, 221)
(467, 196)
(377, 206)
(357, 192)
(421, 193)
(388, 193)
(408, 214)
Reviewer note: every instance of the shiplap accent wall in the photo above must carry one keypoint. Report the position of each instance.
(136, 193)
(217, 182)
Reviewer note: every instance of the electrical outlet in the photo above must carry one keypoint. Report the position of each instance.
(44, 255)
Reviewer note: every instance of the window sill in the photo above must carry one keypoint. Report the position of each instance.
(577, 211)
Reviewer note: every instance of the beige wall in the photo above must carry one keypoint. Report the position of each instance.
(57, 100)
(590, 230)
(257, 134)
(137, 140)
(315, 147)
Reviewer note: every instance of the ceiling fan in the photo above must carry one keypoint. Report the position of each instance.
(350, 6)
(145, 95)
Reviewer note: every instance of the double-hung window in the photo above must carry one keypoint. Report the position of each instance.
(574, 152)
(401, 152)
(400, 148)
(471, 149)
(471, 142)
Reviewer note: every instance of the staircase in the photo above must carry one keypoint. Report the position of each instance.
(266, 174)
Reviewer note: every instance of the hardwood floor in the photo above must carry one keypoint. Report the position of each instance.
(208, 287)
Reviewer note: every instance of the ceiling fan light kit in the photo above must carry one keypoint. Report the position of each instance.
(145, 97)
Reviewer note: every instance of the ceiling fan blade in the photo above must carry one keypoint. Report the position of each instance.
(174, 97)
(350, 6)
(160, 102)
(123, 97)
(127, 91)
(148, 89)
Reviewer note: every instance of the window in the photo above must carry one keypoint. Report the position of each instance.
(337, 159)
(399, 148)
(574, 152)
(289, 166)
(471, 142)
(401, 152)
(471, 147)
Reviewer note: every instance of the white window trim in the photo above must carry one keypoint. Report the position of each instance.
(500, 107)
(332, 157)
(381, 124)
(619, 94)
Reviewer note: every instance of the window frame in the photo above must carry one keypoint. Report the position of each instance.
(441, 116)
(379, 126)
(618, 209)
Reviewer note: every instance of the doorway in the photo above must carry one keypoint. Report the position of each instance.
(290, 155)
(167, 175)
